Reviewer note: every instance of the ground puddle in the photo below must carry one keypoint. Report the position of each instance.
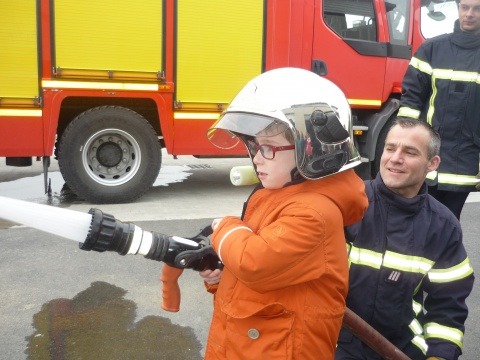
(98, 323)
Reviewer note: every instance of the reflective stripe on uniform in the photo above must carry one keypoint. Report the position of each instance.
(453, 179)
(416, 327)
(408, 263)
(417, 307)
(464, 180)
(434, 330)
(432, 175)
(419, 342)
(421, 65)
(408, 112)
(456, 272)
(365, 257)
(455, 75)
(431, 102)
(413, 264)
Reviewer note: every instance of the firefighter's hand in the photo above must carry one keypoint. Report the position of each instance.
(478, 184)
(211, 277)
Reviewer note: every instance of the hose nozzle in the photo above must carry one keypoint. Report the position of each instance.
(108, 234)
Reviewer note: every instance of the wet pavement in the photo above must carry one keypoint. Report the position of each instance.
(60, 302)
(100, 323)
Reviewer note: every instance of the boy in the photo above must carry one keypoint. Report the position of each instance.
(282, 291)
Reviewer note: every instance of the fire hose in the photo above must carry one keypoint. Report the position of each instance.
(102, 232)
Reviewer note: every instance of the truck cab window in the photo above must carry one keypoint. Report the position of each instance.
(351, 19)
(397, 17)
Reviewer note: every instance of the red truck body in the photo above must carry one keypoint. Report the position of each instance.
(105, 96)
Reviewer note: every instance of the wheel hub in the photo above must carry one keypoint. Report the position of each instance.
(109, 154)
(111, 157)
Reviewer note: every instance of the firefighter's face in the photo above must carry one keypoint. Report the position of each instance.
(469, 16)
(274, 173)
(404, 163)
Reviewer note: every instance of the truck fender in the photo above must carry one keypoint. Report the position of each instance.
(376, 123)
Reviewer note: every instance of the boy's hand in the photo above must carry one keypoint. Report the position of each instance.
(215, 223)
(211, 277)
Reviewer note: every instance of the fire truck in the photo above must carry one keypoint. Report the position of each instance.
(104, 86)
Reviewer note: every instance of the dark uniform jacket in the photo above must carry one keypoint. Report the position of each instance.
(442, 86)
(409, 272)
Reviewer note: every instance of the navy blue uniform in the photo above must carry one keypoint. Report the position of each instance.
(409, 275)
(441, 87)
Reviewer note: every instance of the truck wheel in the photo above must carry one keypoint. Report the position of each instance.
(109, 154)
(379, 147)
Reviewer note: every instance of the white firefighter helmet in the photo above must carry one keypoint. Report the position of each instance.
(312, 108)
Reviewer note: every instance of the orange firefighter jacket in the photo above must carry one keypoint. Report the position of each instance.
(285, 278)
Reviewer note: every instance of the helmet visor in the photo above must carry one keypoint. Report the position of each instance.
(226, 131)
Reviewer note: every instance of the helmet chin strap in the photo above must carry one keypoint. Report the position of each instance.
(295, 175)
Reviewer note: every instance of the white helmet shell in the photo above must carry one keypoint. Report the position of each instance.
(313, 108)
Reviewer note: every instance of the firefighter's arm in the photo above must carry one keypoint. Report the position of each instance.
(448, 284)
(416, 85)
(478, 185)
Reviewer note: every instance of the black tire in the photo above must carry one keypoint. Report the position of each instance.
(109, 154)
(379, 147)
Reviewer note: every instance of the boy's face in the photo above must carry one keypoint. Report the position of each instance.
(275, 173)
(404, 163)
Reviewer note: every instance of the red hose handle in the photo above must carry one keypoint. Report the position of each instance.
(170, 288)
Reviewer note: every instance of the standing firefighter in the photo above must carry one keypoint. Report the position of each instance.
(282, 291)
(441, 87)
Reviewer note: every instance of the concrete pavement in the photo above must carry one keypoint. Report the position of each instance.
(59, 302)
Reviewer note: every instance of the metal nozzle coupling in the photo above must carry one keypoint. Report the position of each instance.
(108, 234)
